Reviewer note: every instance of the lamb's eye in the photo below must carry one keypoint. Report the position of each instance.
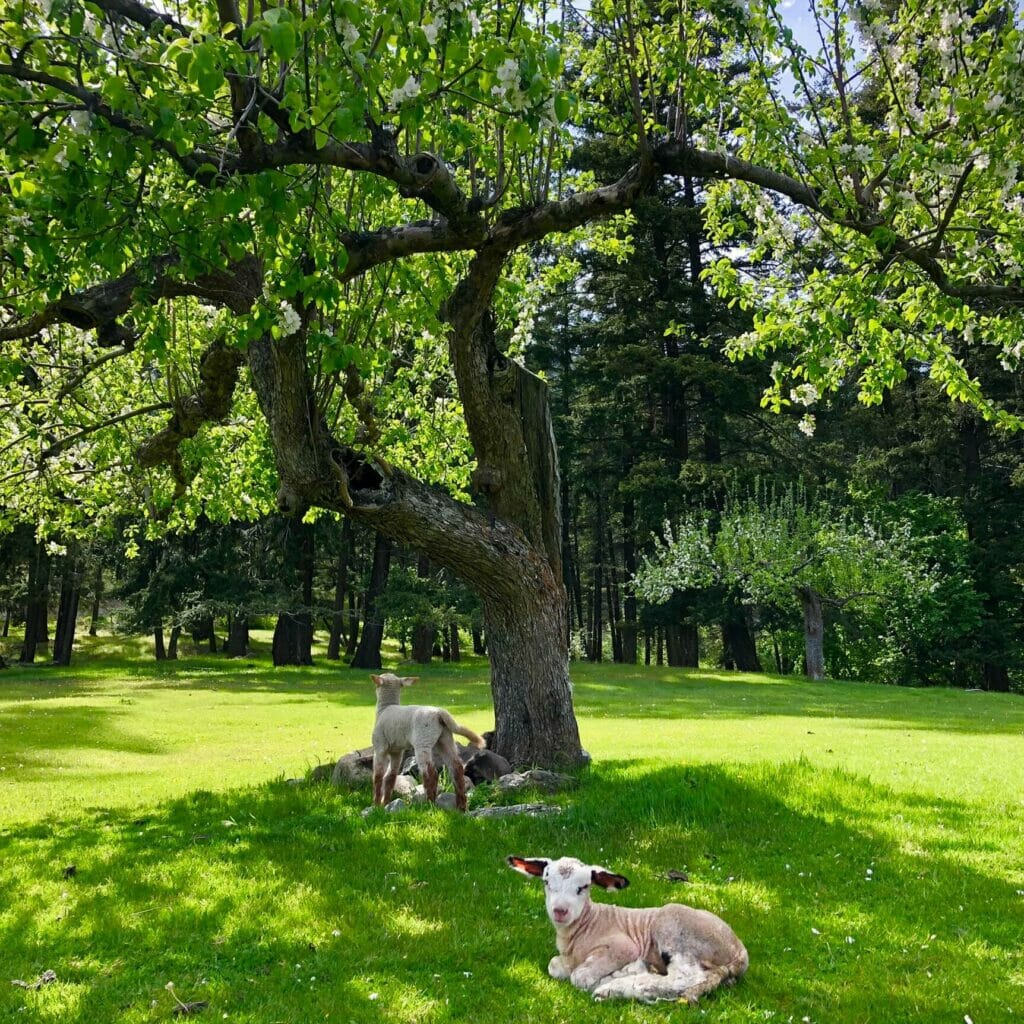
(582, 889)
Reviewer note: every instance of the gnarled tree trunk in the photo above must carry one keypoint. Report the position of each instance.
(510, 555)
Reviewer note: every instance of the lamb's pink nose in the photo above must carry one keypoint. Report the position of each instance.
(559, 913)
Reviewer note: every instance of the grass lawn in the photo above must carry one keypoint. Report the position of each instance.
(866, 843)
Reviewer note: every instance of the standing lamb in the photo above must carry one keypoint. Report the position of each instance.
(427, 730)
(670, 952)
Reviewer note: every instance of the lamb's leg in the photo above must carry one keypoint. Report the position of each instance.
(686, 979)
(379, 758)
(558, 968)
(599, 965)
(428, 773)
(394, 766)
(445, 748)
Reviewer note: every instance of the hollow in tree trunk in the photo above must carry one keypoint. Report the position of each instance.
(814, 632)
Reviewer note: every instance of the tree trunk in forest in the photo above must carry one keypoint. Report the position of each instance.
(97, 594)
(172, 643)
(368, 652)
(596, 594)
(37, 604)
(814, 632)
(158, 643)
(453, 642)
(7, 622)
(423, 632)
(629, 624)
(614, 611)
(67, 612)
(681, 641)
(738, 647)
(293, 633)
(995, 677)
(660, 646)
(479, 647)
(510, 553)
(237, 645)
(340, 591)
(353, 625)
(647, 647)
(206, 630)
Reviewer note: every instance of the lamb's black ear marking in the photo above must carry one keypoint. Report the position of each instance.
(608, 879)
(528, 865)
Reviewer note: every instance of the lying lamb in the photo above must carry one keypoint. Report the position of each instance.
(427, 730)
(670, 952)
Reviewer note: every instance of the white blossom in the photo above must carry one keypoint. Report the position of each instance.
(807, 425)
(348, 32)
(407, 91)
(288, 318)
(804, 394)
(430, 31)
(80, 121)
(994, 102)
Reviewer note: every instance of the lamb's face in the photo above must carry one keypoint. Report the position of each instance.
(567, 883)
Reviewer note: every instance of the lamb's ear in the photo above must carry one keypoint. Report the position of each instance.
(608, 879)
(409, 680)
(376, 680)
(528, 865)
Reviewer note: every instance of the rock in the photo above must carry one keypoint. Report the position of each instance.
(353, 770)
(530, 810)
(295, 782)
(322, 772)
(405, 785)
(536, 778)
(396, 805)
(446, 801)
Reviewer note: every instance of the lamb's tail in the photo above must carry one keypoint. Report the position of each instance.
(461, 730)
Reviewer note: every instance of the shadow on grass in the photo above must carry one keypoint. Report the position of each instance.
(283, 904)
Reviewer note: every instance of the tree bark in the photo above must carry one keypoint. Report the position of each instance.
(814, 632)
(368, 652)
(67, 612)
(453, 642)
(479, 645)
(340, 591)
(158, 643)
(7, 622)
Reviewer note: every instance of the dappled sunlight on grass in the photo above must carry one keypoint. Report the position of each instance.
(259, 891)
(863, 841)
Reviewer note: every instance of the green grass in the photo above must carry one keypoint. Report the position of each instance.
(196, 864)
